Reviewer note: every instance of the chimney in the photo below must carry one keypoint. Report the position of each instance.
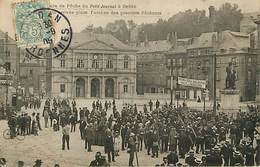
(212, 18)
(172, 38)
(6, 41)
(211, 12)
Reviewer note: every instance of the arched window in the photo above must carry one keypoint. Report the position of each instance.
(126, 62)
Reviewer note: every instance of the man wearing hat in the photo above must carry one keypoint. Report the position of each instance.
(227, 152)
(131, 148)
(173, 157)
(38, 163)
(12, 126)
(216, 159)
(190, 160)
(2, 162)
(89, 137)
(237, 159)
(249, 155)
(66, 136)
(20, 164)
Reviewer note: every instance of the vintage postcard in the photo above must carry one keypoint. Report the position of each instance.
(129, 83)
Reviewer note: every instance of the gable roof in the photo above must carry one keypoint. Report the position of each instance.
(154, 46)
(79, 39)
(95, 45)
(203, 41)
(233, 40)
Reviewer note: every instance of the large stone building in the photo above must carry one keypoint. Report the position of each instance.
(228, 47)
(151, 65)
(9, 66)
(151, 76)
(178, 57)
(32, 75)
(95, 66)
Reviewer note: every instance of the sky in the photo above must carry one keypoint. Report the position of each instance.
(166, 7)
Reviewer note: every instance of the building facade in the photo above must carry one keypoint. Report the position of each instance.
(95, 66)
(151, 65)
(229, 48)
(32, 75)
(177, 64)
(9, 65)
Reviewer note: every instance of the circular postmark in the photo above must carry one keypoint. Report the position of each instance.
(46, 31)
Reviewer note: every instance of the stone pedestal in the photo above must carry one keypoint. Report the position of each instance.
(229, 101)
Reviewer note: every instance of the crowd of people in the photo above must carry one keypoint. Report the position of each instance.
(178, 133)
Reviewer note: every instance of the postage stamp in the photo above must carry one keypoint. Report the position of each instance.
(42, 30)
(21, 10)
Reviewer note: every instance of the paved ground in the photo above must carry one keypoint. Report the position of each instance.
(47, 146)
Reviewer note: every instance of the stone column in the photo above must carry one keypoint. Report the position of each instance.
(116, 88)
(89, 87)
(86, 87)
(102, 87)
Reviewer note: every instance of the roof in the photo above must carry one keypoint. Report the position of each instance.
(10, 40)
(155, 46)
(203, 41)
(233, 40)
(88, 40)
(179, 49)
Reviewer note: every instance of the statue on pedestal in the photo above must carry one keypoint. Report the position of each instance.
(231, 77)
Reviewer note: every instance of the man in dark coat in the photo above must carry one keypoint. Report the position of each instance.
(151, 105)
(165, 139)
(227, 153)
(82, 126)
(172, 158)
(109, 146)
(123, 136)
(157, 104)
(149, 141)
(249, 155)
(190, 160)
(99, 161)
(131, 148)
(89, 137)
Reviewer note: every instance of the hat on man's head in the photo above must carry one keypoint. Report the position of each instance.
(38, 161)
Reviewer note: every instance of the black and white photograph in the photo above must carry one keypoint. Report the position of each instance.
(86, 83)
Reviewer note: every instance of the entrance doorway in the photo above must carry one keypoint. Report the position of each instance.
(80, 87)
(109, 88)
(95, 87)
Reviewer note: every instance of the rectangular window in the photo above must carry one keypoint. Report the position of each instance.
(218, 75)
(62, 88)
(80, 63)
(8, 66)
(235, 61)
(125, 88)
(125, 64)
(62, 63)
(168, 62)
(109, 63)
